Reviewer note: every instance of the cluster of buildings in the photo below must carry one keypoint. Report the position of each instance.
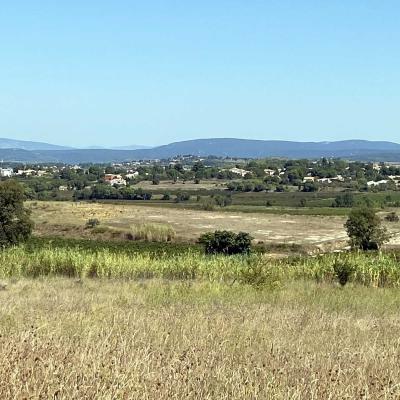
(312, 179)
(112, 179)
(9, 172)
(391, 178)
(6, 172)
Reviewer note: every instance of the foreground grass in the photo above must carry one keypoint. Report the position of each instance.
(53, 259)
(109, 339)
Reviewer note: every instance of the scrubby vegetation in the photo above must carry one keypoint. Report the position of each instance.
(153, 232)
(365, 229)
(370, 269)
(225, 242)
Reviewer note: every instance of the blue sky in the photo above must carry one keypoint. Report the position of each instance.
(153, 72)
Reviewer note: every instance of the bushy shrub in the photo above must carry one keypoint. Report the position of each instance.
(364, 229)
(392, 217)
(226, 242)
(223, 201)
(302, 202)
(343, 271)
(166, 196)
(182, 196)
(344, 200)
(92, 222)
(15, 224)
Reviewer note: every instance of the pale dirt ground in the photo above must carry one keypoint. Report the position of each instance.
(189, 224)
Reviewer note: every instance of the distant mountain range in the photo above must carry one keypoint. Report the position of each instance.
(131, 147)
(26, 145)
(35, 152)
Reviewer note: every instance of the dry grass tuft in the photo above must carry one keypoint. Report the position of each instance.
(153, 232)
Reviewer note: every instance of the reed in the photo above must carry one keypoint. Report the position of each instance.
(370, 269)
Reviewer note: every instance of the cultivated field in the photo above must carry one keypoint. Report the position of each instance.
(106, 339)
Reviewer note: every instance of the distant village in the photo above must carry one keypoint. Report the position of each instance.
(236, 174)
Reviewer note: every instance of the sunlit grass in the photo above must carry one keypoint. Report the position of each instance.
(158, 339)
(370, 269)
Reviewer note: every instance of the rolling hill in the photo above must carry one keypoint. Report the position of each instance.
(6, 143)
(224, 147)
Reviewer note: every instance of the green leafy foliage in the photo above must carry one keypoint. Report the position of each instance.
(226, 242)
(364, 229)
(392, 217)
(343, 271)
(15, 224)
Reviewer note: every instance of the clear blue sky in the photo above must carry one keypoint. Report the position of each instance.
(152, 72)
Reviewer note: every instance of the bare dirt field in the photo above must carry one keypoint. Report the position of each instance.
(189, 224)
(322, 231)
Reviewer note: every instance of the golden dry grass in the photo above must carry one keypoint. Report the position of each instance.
(98, 339)
(188, 224)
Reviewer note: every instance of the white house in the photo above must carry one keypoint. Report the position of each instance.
(239, 171)
(132, 175)
(308, 179)
(324, 180)
(113, 179)
(6, 172)
(373, 183)
(26, 172)
(338, 178)
(269, 172)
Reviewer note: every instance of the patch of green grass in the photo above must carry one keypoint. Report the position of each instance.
(370, 269)
(115, 246)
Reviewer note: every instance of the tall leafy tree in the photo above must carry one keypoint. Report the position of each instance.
(365, 229)
(15, 223)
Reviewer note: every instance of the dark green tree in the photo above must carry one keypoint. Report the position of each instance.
(226, 242)
(365, 229)
(15, 224)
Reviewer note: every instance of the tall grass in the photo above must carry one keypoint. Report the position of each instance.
(375, 270)
(153, 232)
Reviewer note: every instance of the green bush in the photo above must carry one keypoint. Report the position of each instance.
(223, 201)
(392, 217)
(364, 229)
(182, 196)
(343, 271)
(15, 224)
(226, 242)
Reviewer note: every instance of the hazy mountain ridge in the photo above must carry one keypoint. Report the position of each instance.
(6, 143)
(223, 147)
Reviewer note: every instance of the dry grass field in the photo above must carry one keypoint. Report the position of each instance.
(68, 219)
(189, 224)
(106, 339)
